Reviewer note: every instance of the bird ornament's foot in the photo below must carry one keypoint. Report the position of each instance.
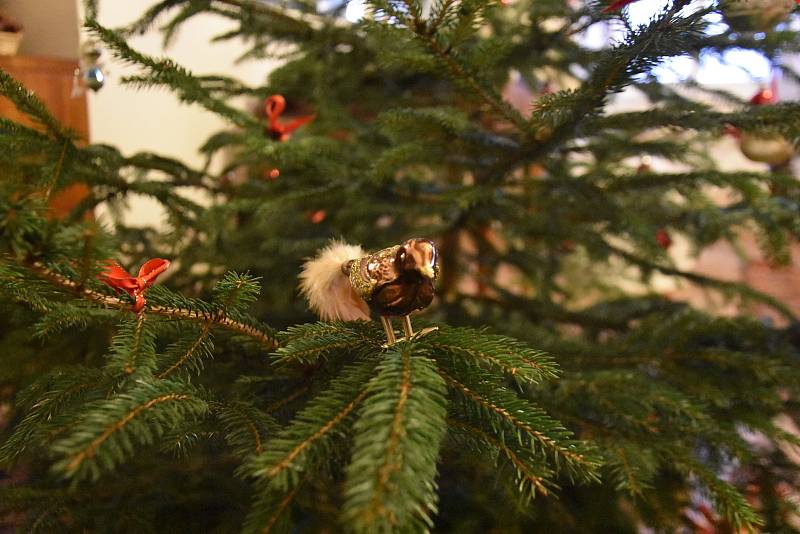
(410, 335)
(424, 332)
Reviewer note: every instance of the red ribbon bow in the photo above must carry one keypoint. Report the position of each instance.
(274, 106)
(118, 278)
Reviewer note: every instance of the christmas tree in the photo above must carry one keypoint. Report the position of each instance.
(559, 391)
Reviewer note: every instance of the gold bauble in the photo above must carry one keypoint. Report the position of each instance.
(775, 150)
(755, 15)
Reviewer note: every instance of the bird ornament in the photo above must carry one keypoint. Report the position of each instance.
(345, 283)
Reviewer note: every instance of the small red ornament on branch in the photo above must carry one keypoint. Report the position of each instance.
(617, 5)
(317, 216)
(772, 149)
(764, 96)
(118, 278)
(274, 107)
(663, 238)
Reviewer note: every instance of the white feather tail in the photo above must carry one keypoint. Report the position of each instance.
(327, 289)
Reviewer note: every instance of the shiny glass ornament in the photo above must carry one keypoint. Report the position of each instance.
(94, 78)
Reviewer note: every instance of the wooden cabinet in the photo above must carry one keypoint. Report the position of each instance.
(52, 81)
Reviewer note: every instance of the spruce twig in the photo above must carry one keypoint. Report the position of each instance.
(743, 290)
(217, 318)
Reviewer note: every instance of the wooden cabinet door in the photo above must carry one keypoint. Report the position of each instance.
(52, 81)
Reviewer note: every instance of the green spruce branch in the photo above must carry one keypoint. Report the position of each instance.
(105, 434)
(166, 72)
(391, 478)
(724, 286)
(217, 318)
(526, 423)
(190, 356)
(532, 478)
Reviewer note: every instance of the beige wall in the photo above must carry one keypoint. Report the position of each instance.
(139, 120)
(51, 26)
(154, 120)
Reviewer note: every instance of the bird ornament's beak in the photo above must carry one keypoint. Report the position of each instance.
(427, 271)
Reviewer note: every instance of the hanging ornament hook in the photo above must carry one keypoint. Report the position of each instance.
(90, 73)
(274, 107)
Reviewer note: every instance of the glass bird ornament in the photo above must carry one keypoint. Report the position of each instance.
(344, 283)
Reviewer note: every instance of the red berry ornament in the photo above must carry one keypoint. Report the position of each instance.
(317, 216)
(663, 239)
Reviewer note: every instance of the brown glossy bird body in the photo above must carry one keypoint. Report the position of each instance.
(396, 280)
(408, 293)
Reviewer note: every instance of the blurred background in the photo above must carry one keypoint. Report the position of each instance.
(53, 46)
(79, 81)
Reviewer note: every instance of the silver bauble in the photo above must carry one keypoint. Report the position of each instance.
(94, 78)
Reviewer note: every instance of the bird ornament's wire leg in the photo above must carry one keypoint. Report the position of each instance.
(387, 327)
(407, 327)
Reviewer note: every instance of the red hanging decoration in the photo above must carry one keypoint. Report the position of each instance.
(118, 278)
(764, 96)
(768, 95)
(274, 107)
(772, 149)
(663, 238)
(617, 5)
(318, 216)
